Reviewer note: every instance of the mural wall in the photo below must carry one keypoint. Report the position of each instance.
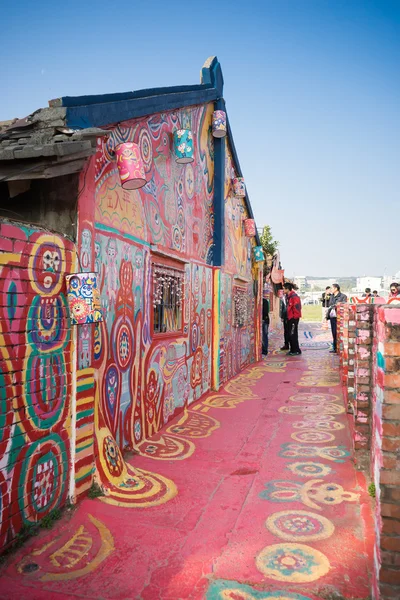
(240, 296)
(36, 374)
(145, 378)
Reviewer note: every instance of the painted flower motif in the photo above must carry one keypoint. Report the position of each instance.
(80, 309)
(189, 135)
(298, 524)
(129, 483)
(113, 456)
(181, 148)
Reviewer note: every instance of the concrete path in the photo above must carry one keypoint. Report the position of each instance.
(261, 500)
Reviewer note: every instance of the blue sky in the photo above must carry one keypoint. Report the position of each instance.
(312, 90)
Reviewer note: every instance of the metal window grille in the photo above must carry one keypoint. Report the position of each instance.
(167, 298)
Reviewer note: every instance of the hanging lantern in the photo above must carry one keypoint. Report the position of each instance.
(249, 227)
(83, 298)
(258, 253)
(183, 146)
(130, 166)
(239, 187)
(219, 123)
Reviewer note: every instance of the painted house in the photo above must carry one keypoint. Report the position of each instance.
(179, 288)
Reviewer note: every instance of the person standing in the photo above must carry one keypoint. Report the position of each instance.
(394, 290)
(283, 316)
(265, 325)
(325, 301)
(368, 295)
(293, 317)
(336, 298)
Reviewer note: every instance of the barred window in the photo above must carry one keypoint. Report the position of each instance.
(167, 298)
(240, 305)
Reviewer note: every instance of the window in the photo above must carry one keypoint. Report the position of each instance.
(167, 298)
(240, 301)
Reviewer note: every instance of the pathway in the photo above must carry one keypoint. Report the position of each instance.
(256, 497)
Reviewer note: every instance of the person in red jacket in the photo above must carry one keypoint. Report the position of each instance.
(293, 318)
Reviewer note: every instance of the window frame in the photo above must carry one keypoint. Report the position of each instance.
(242, 290)
(163, 261)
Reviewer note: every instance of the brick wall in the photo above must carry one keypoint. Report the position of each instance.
(362, 374)
(370, 369)
(36, 370)
(385, 451)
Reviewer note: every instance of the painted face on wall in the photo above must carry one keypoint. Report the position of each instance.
(111, 250)
(139, 260)
(47, 265)
(86, 249)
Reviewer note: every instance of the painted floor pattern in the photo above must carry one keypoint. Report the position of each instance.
(256, 496)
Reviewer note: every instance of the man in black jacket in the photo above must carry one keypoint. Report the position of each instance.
(283, 316)
(265, 325)
(336, 298)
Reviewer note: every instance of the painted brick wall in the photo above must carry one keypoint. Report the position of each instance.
(386, 450)
(362, 375)
(36, 370)
(374, 342)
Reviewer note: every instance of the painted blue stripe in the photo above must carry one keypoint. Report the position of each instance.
(219, 196)
(107, 113)
(73, 101)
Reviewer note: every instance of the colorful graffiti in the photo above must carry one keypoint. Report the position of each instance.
(147, 378)
(36, 375)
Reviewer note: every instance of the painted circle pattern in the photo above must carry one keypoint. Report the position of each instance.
(42, 477)
(45, 404)
(308, 398)
(309, 469)
(112, 456)
(299, 526)
(317, 424)
(48, 330)
(313, 437)
(146, 149)
(296, 563)
(123, 344)
(46, 267)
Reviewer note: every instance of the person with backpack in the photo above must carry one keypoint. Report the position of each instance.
(293, 307)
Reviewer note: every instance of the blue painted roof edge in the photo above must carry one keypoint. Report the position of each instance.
(106, 109)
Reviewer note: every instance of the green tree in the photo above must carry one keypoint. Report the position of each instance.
(270, 246)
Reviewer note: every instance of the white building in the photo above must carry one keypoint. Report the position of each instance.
(375, 283)
(321, 283)
(300, 281)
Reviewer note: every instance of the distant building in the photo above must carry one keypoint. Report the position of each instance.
(301, 282)
(321, 283)
(374, 283)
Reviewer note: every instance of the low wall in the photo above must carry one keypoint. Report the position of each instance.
(372, 387)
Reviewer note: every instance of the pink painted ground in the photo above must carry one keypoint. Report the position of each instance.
(223, 535)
